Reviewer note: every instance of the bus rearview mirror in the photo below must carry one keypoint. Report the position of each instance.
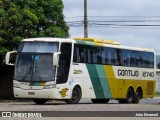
(10, 58)
(56, 58)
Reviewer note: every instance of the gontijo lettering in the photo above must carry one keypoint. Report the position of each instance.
(131, 73)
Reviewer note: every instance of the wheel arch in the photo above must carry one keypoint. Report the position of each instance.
(77, 85)
(130, 86)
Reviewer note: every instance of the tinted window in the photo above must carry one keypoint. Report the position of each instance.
(80, 54)
(112, 56)
(76, 54)
(149, 60)
(99, 55)
(88, 54)
(124, 58)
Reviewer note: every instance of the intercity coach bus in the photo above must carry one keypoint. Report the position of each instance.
(78, 68)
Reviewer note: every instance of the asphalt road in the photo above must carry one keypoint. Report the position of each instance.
(84, 105)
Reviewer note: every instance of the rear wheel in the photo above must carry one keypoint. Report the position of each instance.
(76, 96)
(137, 96)
(100, 100)
(40, 101)
(130, 96)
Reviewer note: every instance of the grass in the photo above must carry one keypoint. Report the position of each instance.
(157, 94)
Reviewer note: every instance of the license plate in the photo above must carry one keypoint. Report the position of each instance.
(31, 93)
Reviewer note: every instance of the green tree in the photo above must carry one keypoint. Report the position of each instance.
(21, 19)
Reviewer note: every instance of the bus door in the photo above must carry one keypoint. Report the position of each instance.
(63, 69)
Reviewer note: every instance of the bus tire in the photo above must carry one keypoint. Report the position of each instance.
(100, 100)
(137, 96)
(76, 96)
(130, 96)
(40, 101)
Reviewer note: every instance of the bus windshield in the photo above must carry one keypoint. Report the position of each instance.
(35, 63)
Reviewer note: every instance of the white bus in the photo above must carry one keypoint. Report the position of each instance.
(71, 69)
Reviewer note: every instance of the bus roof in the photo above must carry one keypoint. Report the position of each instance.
(89, 41)
(47, 39)
(111, 44)
(95, 40)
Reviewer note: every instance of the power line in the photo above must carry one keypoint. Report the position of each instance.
(119, 23)
(131, 26)
(125, 16)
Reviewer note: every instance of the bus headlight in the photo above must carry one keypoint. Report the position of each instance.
(49, 86)
(16, 85)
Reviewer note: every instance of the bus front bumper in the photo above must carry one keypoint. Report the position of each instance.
(43, 93)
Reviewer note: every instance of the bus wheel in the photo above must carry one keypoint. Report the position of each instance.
(137, 96)
(40, 101)
(100, 100)
(76, 96)
(130, 96)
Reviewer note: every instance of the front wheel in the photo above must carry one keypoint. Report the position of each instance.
(76, 96)
(40, 101)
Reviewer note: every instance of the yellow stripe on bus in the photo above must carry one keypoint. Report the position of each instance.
(119, 87)
(111, 80)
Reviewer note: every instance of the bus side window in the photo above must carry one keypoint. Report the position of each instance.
(82, 53)
(124, 58)
(106, 56)
(94, 54)
(99, 55)
(138, 64)
(142, 59)
(76, 54)
(133, 58)
(103, 56)
(149, 60)
(88, 53)
(114, 60)
(152, 60)
(128, 58)
(119, 56)
(109, 56)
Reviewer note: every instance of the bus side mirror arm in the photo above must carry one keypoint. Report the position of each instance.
(8, 57)
(56, 58)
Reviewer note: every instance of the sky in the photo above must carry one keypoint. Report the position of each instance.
(140, 12)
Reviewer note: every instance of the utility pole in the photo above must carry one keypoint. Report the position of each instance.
(85, 20)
